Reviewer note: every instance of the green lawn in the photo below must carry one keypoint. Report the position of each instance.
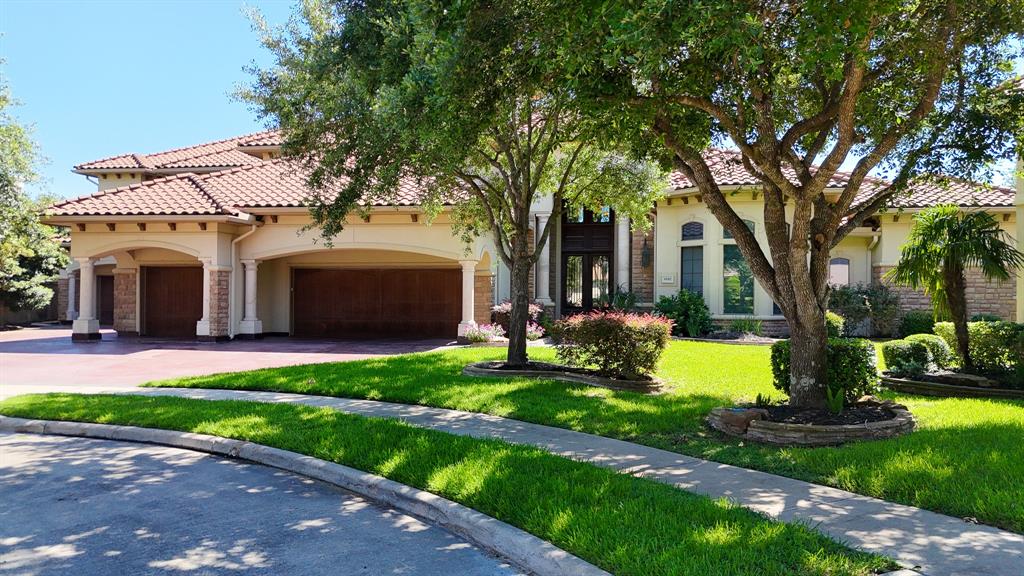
(623, 524)
(966, 459)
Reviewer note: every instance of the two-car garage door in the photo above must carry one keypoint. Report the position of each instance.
(354, 303)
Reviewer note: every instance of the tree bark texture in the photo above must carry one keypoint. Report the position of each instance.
(520, 293)
(956, 297)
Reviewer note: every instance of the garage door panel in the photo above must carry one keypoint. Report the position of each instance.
(376, 303)
(172, 301)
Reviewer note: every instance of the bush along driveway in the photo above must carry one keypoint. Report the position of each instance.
(624, 524)
(965, 459)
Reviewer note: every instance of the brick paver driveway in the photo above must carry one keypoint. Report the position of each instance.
(45, 359)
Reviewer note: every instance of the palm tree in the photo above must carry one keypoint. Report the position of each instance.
(943, 243)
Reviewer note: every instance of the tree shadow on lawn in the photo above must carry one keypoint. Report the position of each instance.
(435, 380)
(624, 524)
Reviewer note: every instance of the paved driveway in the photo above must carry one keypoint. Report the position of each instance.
(45, 359)
(98, 507)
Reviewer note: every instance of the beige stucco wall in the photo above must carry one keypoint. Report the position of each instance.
(895, 228)
(1020, 237)
(672, 215)
(107, 181)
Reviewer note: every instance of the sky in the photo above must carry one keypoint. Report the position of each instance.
(99, 78)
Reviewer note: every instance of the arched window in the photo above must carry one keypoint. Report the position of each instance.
(693, 231)
(839, 272)
(728, 235)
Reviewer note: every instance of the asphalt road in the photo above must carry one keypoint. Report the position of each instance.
(84, 507)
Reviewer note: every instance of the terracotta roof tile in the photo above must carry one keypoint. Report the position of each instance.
(173, 195)
(220, 159)
(168, 158)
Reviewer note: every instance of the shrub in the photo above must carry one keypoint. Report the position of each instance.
(941, 355)
(502, 313)
(484, 333)
(917, 322)
(851, 367)
(835, 324)
(534, 331)
(616, 344)
(746, 326)
(995, 348)
(985, 317)
(622, 300)
(875, 302)
(688, 311)
(906, 357)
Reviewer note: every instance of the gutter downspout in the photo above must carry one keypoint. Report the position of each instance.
(231, 281)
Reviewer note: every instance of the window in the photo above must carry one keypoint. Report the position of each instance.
(574, 281)
(738, 282)
(839, 272)
(600, 276)
(574, 217)
(692, 269)
(693, 231)
(728, 235)
(604, 215)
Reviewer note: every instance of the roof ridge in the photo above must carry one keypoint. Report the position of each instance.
(173, 150)
(194, 181)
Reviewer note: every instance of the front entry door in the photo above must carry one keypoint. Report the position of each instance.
(586, 281)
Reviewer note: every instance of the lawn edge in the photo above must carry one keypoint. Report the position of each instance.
(518, 546)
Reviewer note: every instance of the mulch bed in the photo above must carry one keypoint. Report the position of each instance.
(561, 371)
(860, 413)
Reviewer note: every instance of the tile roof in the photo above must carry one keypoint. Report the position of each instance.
(170, 158)
(728, 169)
(267, 184)
(245, 181)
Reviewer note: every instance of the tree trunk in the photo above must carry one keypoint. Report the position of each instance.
(520, 287)
(808, 358)
(956, 300)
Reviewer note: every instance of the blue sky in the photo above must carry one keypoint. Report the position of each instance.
(101, 78)
(104, 77)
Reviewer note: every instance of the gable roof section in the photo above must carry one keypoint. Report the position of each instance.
(222, 153)
(267, 184)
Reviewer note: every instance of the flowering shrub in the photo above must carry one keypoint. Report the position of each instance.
(484, 333)
(617, 344)
(534, 331)
(502, 313)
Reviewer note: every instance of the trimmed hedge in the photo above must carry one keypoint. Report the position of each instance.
(997, 348)
(851, 367)
(617, 344)
(906, 357)
(835, 324)
(917, 322)
(941, 355)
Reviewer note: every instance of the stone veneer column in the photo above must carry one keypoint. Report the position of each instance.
(643, 276)
(214, 324)
(468, 296)
(86, 326)
(483, 298)
(543, 281)
(126, 290)
(62, 298)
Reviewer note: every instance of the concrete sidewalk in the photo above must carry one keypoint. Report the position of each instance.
(933, 544)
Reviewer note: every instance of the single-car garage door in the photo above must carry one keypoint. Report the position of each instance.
(172, 300)
(333, 303)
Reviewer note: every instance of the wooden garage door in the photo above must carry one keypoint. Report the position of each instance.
(329, 303)
(172, 300)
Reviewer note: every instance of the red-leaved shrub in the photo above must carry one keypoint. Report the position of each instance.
(617, 344)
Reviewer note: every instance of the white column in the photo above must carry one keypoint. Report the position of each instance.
(203, 325)
(86, 326)
(72, 288)
(468, 289)
(250, 325)
(543, 262)
(622, 253)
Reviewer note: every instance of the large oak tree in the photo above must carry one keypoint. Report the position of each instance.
(370, 93)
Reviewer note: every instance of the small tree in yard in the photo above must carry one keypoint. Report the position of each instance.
(368, 93)
(943, 243)
(30, 252)
(901, 89)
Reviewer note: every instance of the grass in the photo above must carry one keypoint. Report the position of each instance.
(965, 459)
(624, 524)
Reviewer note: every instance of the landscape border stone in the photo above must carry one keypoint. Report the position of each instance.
(948, 390)
(521, 548)
(786, 434)
(644, 387)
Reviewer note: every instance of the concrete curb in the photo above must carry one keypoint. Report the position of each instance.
(521, 548)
